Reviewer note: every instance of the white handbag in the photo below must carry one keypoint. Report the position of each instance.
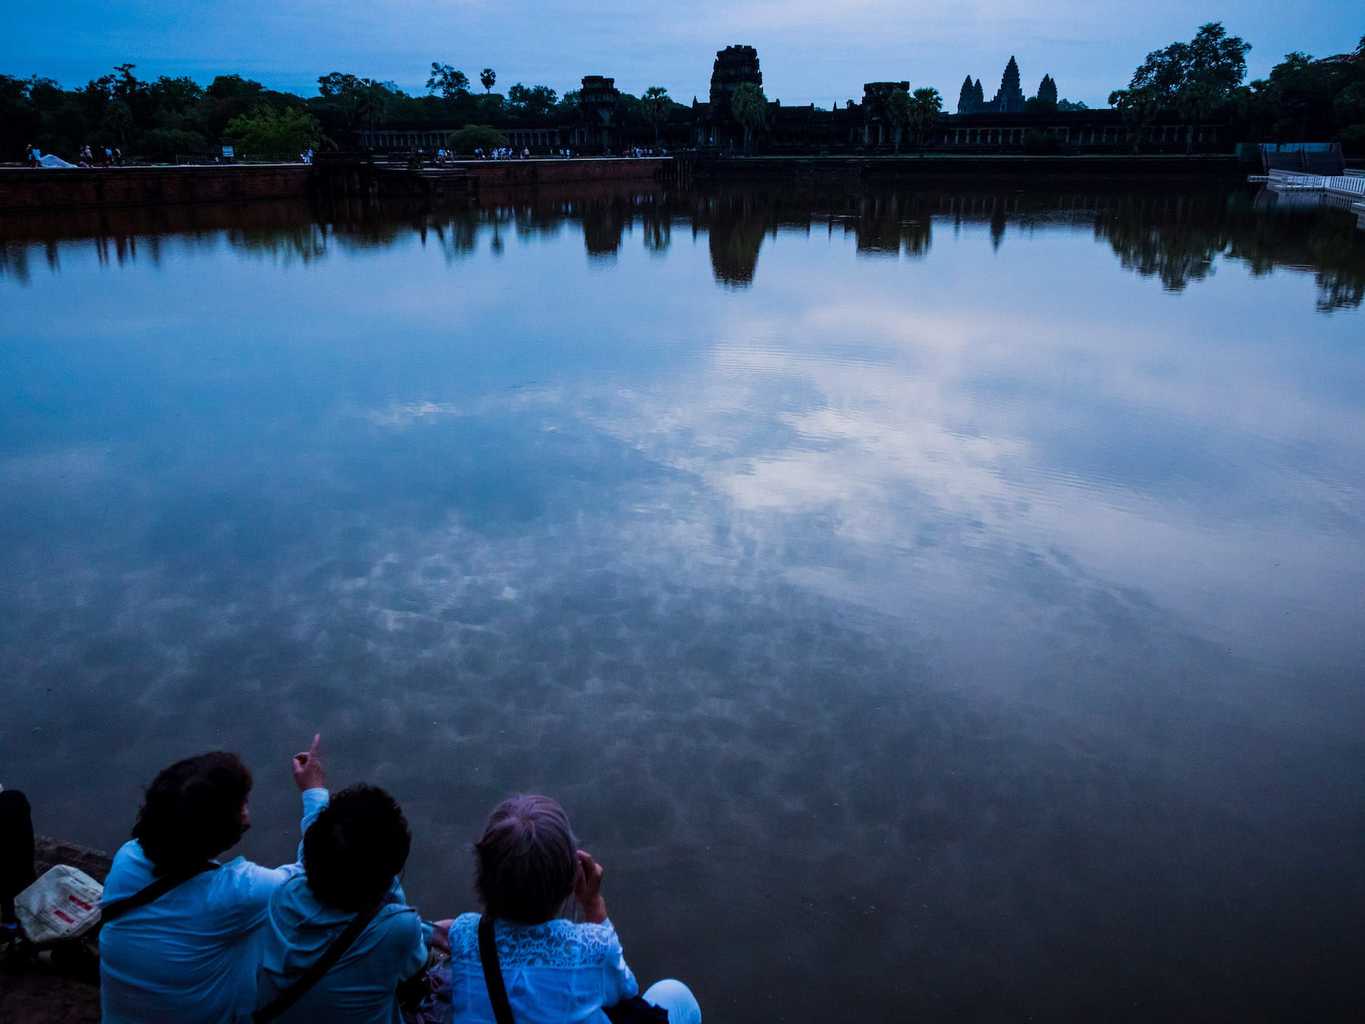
(64, 903)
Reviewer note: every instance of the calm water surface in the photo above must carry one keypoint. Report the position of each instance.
(940, 602)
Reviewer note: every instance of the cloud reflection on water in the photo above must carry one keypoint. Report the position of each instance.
(984, 611)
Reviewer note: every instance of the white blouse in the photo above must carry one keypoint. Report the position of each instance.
(557, 972)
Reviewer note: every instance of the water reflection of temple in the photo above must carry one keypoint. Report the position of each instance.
(1176, 238)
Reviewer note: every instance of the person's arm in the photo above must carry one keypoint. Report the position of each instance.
(414, 956)
(617, 980)
(311, 778)
(310, 775)
(437, 934)
(587, 889)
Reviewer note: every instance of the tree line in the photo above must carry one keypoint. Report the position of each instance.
(175, 116)
(1202, 80)
(1302, 99)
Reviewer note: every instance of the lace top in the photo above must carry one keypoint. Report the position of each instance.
(556, 972)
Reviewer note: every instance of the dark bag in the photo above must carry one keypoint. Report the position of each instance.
(16, 850)
(284, 1000)
(628, 1011)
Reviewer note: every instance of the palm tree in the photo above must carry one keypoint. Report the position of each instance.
(487, 77)
(925, 106)
(750, 108)
(656, 103)
(900, 112)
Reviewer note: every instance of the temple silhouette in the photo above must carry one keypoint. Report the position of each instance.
(1008, 122)
(1009, 98)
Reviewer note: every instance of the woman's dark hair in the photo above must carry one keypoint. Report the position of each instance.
(526, 861)
(355, 848)
(193, 811)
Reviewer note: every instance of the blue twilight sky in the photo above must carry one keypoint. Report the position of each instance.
(811, 50)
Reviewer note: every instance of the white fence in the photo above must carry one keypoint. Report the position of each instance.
(1342, 185)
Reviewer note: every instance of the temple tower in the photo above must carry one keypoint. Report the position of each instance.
(599, 101)
(966, 99)
(1047, 91)
(734, 66)
(1010, 98)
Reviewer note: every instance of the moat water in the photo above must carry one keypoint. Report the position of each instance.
(943, 602)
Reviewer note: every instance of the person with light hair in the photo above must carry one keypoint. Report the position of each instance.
(522, 961)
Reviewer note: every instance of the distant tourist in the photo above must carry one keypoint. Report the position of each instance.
(347, 908)
(542, 968)
(181, 935)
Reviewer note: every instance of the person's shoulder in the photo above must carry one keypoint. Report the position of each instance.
(293, 894)
(127, 855)
(242, 881)
(600, 936)
(591, 943)
(399, 921)
(464, 937)
(130, 870)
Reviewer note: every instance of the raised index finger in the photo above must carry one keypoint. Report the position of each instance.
(315, 748)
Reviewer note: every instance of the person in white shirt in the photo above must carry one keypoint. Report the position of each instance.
(190, 954)
(527, 866)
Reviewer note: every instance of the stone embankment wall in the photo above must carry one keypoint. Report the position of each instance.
(943, 166)
(93, 187)
(80, 187)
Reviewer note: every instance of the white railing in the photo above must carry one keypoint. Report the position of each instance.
(1342, 184)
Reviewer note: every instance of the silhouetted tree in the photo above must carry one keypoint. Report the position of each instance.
(750, 108)
(1303, 98)
(476, 136)
(447, 81)
(925, 106)
(487, 78)
(898, 112)
(359, 101)
(1193, 78)
(655, 106)
(274, 134)
(531, 103)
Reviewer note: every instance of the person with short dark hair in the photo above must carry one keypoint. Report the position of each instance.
(528, 868)
(352, 857)
(189, 955)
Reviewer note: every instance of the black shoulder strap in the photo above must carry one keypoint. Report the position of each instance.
(115, 909)
(492, 972)
(284, 1000)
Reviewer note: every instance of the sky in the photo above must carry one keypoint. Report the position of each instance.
(819, 51)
